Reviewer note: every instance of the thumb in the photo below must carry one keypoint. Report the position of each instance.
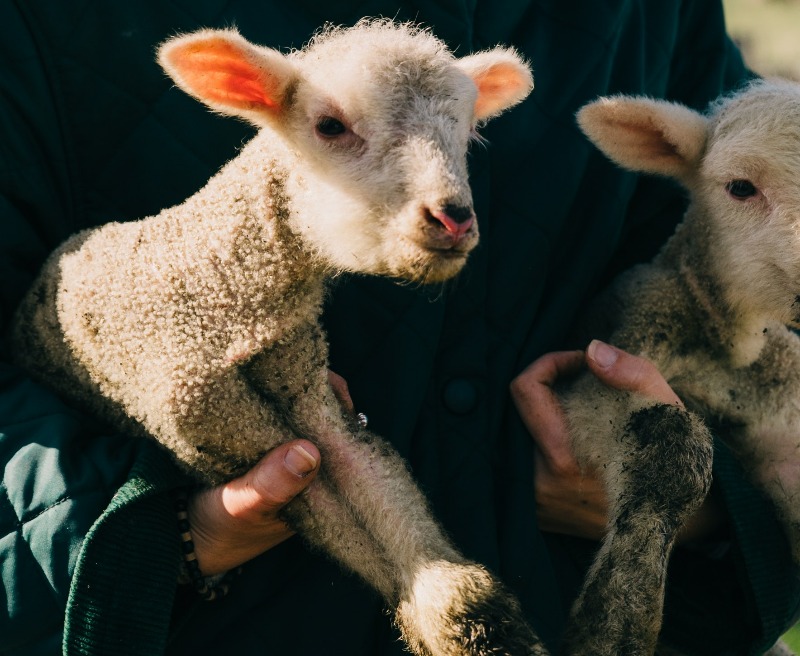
(623, 371)
(239, 520)
(273, 482)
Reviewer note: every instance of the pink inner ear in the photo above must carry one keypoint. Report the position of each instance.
(647, 141)
(495, 86)
(219, 72)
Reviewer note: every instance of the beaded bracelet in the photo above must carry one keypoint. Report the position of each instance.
(207, 587)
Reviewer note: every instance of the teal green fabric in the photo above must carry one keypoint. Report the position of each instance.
(92, 131)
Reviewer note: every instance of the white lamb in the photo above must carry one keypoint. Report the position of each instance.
(711, 311)
(199, 326)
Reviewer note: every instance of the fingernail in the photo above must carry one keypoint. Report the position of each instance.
(299, 461)
(602, 353)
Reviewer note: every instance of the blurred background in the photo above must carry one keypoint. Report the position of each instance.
(768, 33)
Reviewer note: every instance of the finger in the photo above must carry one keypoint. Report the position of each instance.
(341, 391)
(277, 479)
(547, 369)
(232, 523)
(631, 373)
(540, 409)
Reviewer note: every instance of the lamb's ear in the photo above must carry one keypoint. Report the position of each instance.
(642, 134)
(228, 73)
(502, 77)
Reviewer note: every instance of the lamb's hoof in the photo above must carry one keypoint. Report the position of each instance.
(460, 610)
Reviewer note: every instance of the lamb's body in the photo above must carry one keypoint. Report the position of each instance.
(711, 312)
(200, 326)
(194, 293)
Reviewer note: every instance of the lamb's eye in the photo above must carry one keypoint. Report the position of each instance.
(328, 126)
(741, 189)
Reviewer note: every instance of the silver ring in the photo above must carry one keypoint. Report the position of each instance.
(362, 419)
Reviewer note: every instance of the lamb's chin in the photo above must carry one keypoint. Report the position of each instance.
(433, 267)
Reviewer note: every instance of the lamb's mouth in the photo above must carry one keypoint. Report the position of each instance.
(430, 261)
(448, 253)
(448, 248)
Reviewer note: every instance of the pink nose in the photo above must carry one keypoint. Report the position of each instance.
(456, 220)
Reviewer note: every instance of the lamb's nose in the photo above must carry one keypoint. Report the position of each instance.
(459, 213)
(456, 219)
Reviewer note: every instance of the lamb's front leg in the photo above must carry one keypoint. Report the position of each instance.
(229, 426)
(445, 605)
(656, 465)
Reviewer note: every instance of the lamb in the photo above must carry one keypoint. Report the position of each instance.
(711, 311)
(200, 326)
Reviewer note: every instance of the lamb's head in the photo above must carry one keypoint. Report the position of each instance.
(741, 164)
(376, 120)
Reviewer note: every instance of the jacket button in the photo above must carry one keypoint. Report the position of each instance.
(460, 396)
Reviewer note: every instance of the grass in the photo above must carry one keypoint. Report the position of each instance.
(768, 31)
(792, 638)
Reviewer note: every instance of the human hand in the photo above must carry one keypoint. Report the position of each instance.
(570, 499)
(239, 520)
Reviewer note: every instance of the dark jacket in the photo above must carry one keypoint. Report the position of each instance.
(92, 131)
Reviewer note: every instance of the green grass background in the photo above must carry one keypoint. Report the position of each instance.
(768, 32)
(792, 638)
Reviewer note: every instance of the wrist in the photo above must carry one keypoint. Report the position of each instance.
(208, 587)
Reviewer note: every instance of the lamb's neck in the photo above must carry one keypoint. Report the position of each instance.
(690, 253)
(231, 247)
(247, 213)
